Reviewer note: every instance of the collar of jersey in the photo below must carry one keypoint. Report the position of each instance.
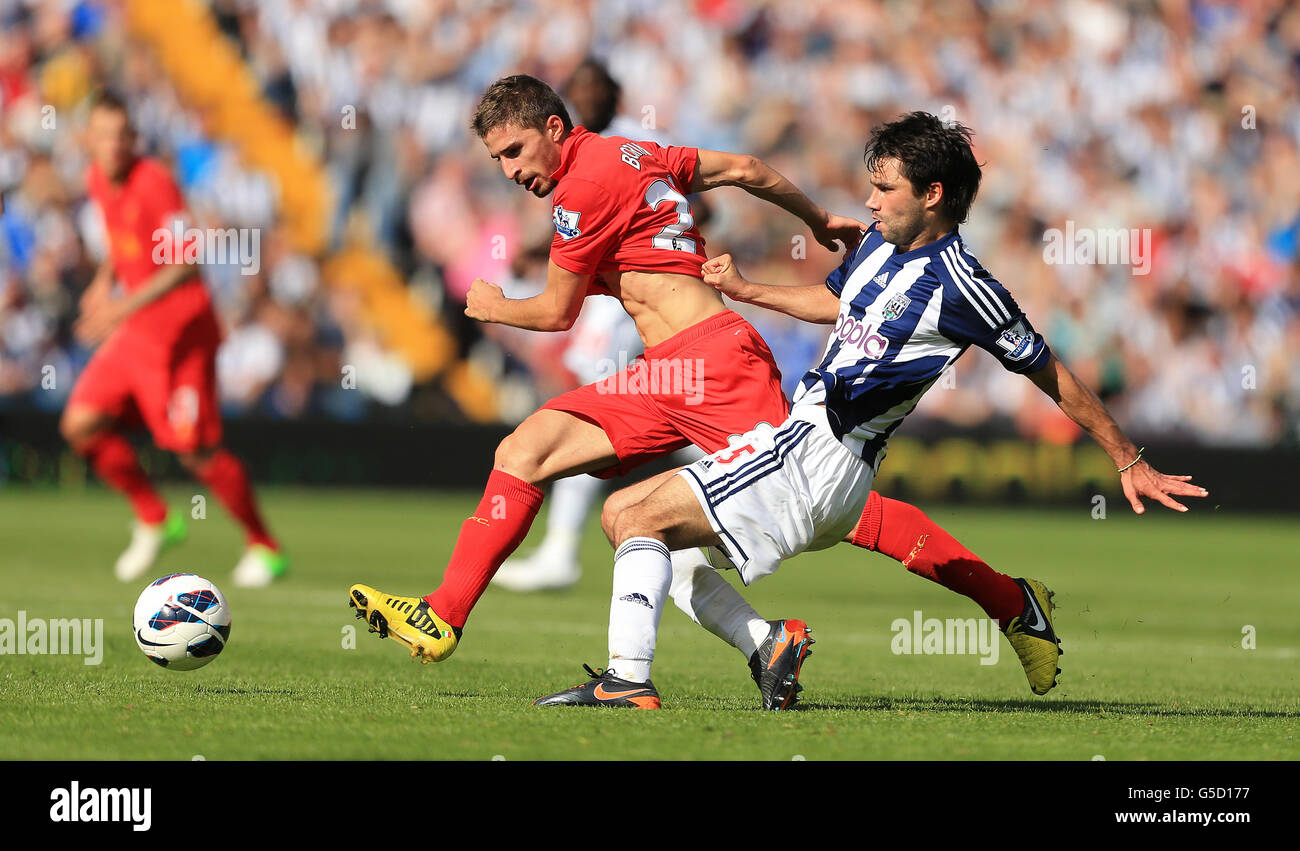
(569, 149)
(116, 188)
(930, 248)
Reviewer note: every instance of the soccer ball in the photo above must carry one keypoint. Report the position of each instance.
(182, 621)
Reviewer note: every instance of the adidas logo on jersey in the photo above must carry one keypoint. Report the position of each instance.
(881, 278)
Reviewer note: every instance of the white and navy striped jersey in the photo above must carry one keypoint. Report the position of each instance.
(904, 318)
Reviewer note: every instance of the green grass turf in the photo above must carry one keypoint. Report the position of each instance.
(1151, 615)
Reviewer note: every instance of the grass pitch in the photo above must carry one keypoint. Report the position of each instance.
(1151, 614)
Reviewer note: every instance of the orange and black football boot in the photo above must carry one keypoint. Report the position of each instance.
(775, 665)
(605, 689)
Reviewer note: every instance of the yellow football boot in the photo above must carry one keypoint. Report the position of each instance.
(1034, 639)
(408, 619)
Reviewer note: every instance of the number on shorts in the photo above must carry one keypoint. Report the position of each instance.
(671, 236)
(748, 449)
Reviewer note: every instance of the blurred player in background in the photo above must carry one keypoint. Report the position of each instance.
(155, 362)
(603, 335)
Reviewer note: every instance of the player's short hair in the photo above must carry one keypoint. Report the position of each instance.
(608, 93)
(930, 151)
(110, 100)
(521, 100)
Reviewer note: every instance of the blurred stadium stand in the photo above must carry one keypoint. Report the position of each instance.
(338, 128)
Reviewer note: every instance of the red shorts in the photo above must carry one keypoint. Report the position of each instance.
(714, 380)
(171, 388)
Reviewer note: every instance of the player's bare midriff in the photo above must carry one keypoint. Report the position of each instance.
(664, 304)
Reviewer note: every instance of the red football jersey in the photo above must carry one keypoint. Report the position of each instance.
(136, 215)
(621, 206)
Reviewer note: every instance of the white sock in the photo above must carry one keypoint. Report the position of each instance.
(711, 601)
(642, 574)
(566, 512)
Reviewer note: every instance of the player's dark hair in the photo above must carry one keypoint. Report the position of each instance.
(109, 99)
(930, 151)
(521, 100)
(608, 92)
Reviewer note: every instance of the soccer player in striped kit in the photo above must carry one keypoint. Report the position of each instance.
(624, 227)
(904, 305)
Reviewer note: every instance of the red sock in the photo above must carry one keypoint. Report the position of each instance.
(226, 477)
(113, 460)
(496, 529)
(904, 533)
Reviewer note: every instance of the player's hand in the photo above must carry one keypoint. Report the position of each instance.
(1144, 481)
(95, 296)
(482, 297)
(842, 228)
(97, 323)
(721, 274)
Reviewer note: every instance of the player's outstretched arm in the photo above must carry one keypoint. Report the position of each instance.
(812, 303)
(1140, 480)
(717, 168)
(555, 308)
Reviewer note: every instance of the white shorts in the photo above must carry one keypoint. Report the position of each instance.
(776, 492)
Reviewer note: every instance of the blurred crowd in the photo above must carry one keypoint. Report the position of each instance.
(1180, 119)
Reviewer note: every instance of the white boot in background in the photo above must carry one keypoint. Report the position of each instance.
(553, 566)
(147, 543)
(259, 567)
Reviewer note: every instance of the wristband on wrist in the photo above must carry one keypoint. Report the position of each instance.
(1134, 461)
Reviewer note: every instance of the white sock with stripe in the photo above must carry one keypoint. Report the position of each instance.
(711, 601)
(642, 574)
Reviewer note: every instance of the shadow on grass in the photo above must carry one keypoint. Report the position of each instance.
(1056, 707)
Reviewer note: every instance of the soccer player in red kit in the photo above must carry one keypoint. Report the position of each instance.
(156, 360)
(624, 227)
